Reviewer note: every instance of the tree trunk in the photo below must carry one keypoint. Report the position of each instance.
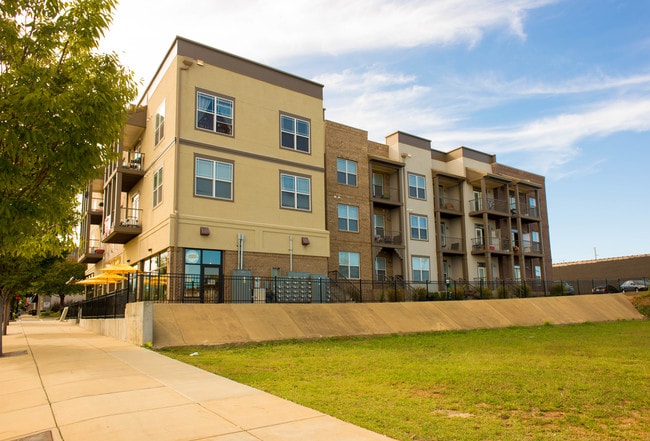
(2, 317)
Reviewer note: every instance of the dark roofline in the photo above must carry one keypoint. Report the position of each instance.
(234, 63)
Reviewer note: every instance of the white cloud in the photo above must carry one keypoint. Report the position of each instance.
(272, 31)
(524, 87)
(555, 140)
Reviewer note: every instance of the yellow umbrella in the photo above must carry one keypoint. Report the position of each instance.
(89, 281)
(120, 268)
(101, 279)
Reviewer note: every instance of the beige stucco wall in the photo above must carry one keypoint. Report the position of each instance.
(192, 324)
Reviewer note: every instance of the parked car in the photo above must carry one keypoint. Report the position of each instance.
(634, 285)
(604, 289)
(564, 287)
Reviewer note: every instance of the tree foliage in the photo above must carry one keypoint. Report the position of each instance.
(62, 107)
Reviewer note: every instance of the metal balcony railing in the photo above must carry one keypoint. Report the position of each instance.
(450, 204)
(385, 194)
(132, 160)
(491, 205)
(448, 243)
(384, 237)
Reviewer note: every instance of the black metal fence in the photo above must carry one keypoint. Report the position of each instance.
(334, 288)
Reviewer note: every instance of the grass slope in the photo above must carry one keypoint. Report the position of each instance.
(579, 382)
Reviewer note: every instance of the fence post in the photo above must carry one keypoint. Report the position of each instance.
(360, 291)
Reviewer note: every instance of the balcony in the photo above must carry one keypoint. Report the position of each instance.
(96, 211)
(91, 251)
(387, 238)
(386, 195)
(495, 208)
(492, 245)
(529, 211)
(123, 227)
(131, 166)
(530, 247)
(450, 207)
(451, 245)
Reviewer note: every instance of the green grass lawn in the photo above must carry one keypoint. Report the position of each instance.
(579, 382)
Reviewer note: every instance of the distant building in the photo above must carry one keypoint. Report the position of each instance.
(623, 268)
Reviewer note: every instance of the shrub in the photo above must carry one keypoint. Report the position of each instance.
(502, 292)
(392, 295)
(642, 303)
(484, 292)
(420, 294)
(521, 291)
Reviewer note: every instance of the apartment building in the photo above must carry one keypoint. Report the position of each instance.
(227, 167)
(221, 169)
(402, 209)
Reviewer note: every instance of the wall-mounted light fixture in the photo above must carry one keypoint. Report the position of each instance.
(205, 231)
(304, 240)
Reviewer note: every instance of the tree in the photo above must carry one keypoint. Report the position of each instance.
(62, 108)
(56, 276)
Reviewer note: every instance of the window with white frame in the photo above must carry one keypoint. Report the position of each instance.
(420, 268)
(346, 172)
(159, 124)
(213, 179)
(380, 268)
(419, 229)
(348, 218)
(294, 133)
(157, 187)
(417, 186)
(349, 264)
(214, 113)
(379, 222)
(378, 186)
(295, 192)
(134, 211)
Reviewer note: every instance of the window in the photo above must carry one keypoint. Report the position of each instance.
(517, 275)
(443, 235)
(349, 264)
(159, 124)
(295, 192)
(214, 113)
(420, 267)
(477, 202)
(134, 212)
(379, 222)
(418, 227)
(346, 172)
(348, 218)
(157, 187)
(380, 268)
(482, 272)
(213, 179)
(479, 233)
(416, 186)
(532, 205)
(294, 133)
(378, 186)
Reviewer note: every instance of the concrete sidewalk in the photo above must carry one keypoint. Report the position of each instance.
(60, 382)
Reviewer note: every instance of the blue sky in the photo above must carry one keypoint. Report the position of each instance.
(556, 87)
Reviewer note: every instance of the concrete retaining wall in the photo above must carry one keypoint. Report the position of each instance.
(136, 327)
(192, 324)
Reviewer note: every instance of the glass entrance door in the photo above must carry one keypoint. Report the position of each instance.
(211, 284)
